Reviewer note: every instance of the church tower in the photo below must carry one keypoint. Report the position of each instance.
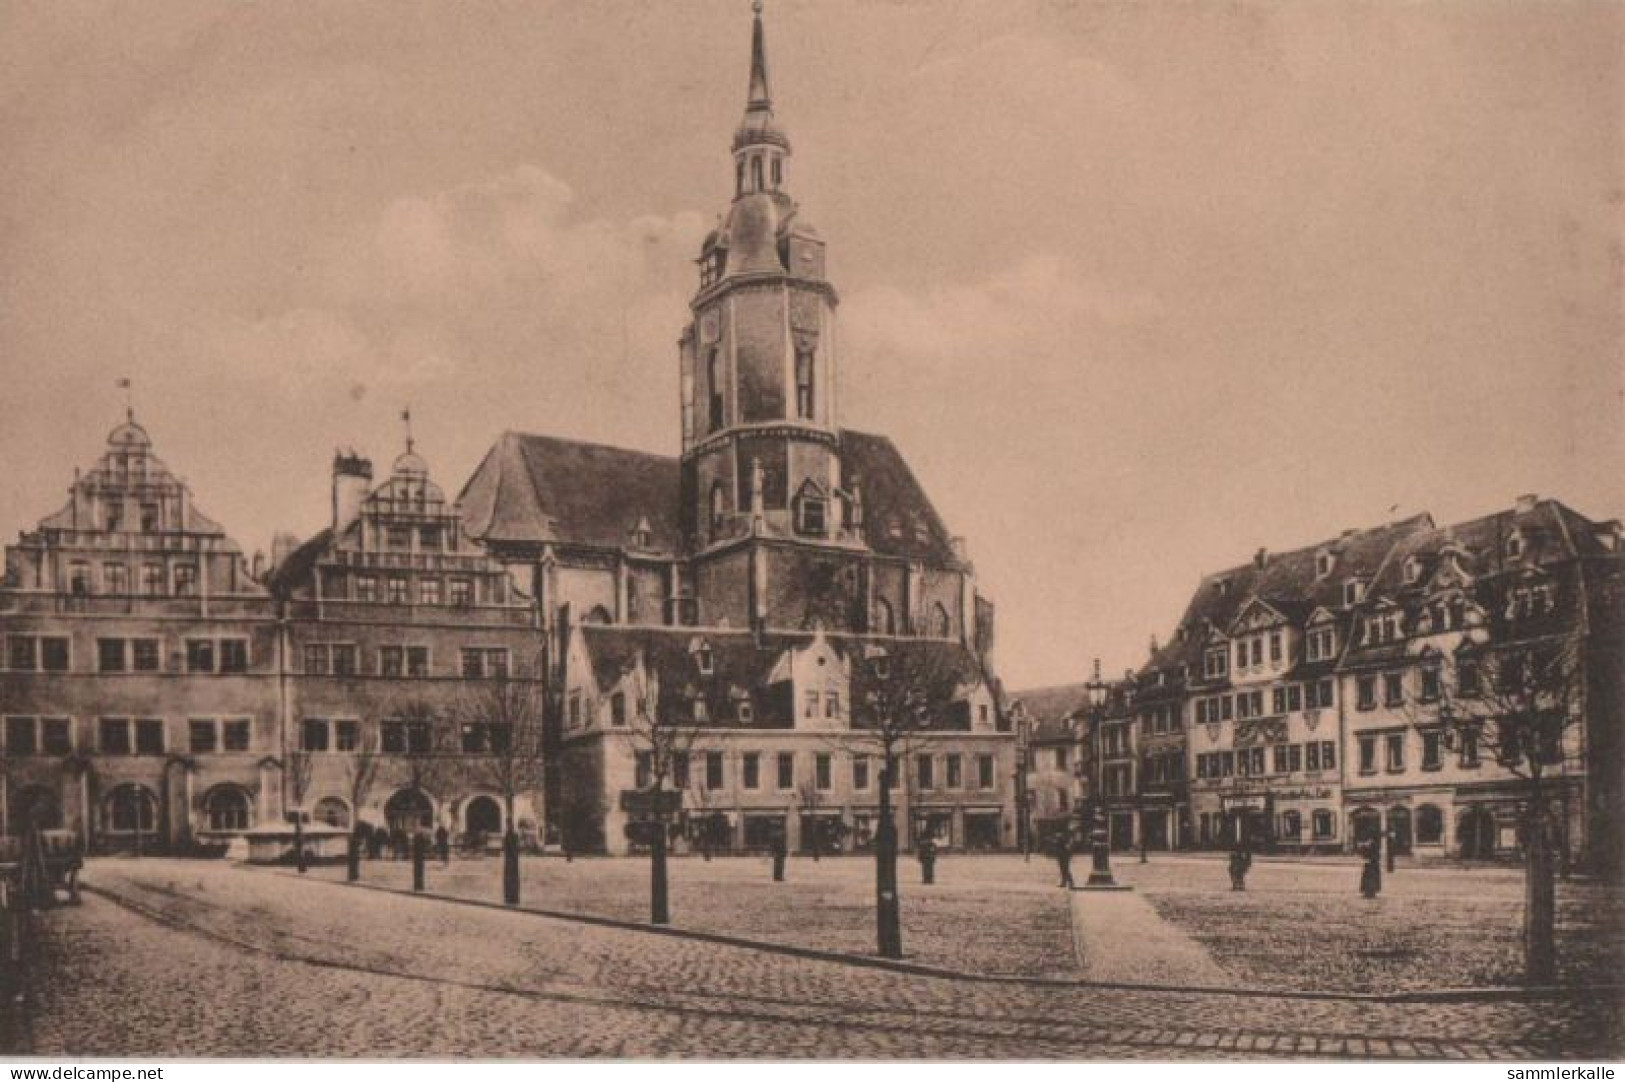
(760, 431)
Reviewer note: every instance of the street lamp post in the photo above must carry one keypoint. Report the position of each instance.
(1100, 873)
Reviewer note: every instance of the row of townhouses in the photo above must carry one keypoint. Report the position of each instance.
(160, 690)
(1304, 700)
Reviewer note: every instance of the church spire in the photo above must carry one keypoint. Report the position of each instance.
(760, 96)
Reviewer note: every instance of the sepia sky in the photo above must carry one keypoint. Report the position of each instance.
(1136, 287)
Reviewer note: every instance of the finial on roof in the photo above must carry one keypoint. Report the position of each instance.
(129, 405)
(406, 418)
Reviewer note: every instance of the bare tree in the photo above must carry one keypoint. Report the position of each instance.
(904, 691)
(360, 771)
(502, 721)
(661, 731)
(1521, 705)
(424, 760)
(299, 766)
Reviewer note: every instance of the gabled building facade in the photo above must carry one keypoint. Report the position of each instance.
(139, 681)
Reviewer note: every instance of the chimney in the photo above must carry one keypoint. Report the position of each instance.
(352, 477)
(1260, 558)
(1526, 503)
(282, 546)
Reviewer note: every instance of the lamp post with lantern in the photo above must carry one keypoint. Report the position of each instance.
(1100, 874)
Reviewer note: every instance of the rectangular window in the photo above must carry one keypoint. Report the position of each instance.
(955, 775)
(152, 580)
(345, 659)
(22, 653)
(20, 737)
(113, 736)
(1395, 752)
(185, 580)
(318, 659)
(314, 735)
(418, 740)
(1280, 759)
(473, 739)
(1216, 663)
(391, 661)
(1258, 651)
(1328, 755)
(462, 592)
(149, 736)
(1275, 646)
(1366, 687)
(617, 709)
(202, 736)
(1393, 689)
(200, 655)
(1432, 745)
(1469, 747)
(832, 704)
(56, 738)
(53, 653)
(713, 770)
(233, 655)
(925, 772)
(821, 772)
(395, 589)
(145, 655)
(115, 578)
(397, 536)
(366, 588)
(110, 655)
(417, 661)
(1430, 684)
(429, 538)
(392, 737)
(752, 763)
(236, 734)
(1312, 756)
(79, 579)
(679, 769)
(1468, 682)
(811, 710)
(428, 591)
(1322, 820)
(1061, 756)
(346, 735)
(984, 771)
(1368, 755)
(787, 770)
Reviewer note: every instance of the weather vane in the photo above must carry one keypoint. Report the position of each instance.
(406, 416)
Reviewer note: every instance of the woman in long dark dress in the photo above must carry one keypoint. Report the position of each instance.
(1371, 873)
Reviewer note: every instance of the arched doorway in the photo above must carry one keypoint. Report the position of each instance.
(1429, 825)
(1399, 830)
(1364, 825)
(227, 807)
(409, 810)
(1475, 831)
(131, 809)
(333, 811)
(482, 815)
(33, 806)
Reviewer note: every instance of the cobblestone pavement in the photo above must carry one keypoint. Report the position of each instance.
(211, 959)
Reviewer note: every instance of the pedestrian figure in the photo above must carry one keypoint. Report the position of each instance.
(928, 861)
(781, 851)
(442, 845)
(1062, 846)
(1241, 862)
(1371, 873)
(1389, 846)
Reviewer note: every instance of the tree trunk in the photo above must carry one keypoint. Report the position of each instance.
(299, 842)
(510, 865)
(659, 904)
(888, 913)
(352, 857)
(420, 854)
(1540, 900)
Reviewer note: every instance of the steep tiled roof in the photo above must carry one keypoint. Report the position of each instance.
(1287, 582)
(1048, 708)
(540, 489)
(898, 519)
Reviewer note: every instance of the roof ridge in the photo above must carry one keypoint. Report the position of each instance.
(573, 442)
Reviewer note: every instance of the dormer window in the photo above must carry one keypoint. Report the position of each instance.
(811, 512)
(1223, 586)
(1413, 571)
(1323, 563)
(703, 659)
(1353, 592)
(1321, 644)
(1515, 546)
(1217, 663)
